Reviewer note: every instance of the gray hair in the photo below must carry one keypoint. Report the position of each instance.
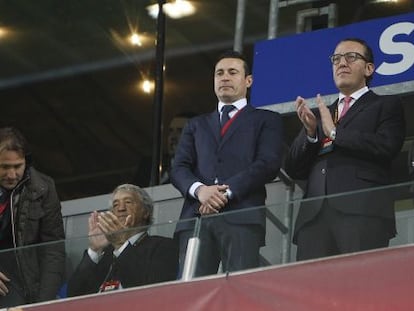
(146, 200)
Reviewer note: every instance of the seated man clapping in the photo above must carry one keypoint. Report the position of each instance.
(121, 254)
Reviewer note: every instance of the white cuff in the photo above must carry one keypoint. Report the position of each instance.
(312, 140)
(193, 188)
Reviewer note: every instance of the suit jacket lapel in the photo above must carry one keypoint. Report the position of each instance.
(239, 121)
(362, 103)
(333, 108)
(213, 120)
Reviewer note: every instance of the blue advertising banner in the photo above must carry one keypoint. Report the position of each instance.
(286, 67)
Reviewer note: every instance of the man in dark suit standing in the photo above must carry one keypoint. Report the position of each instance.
(222, 163)
(348, 146)
(121, 254)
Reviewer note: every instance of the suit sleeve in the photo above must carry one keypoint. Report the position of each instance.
(182, 176)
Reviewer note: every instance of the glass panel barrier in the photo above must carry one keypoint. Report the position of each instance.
(239, 240)
(380, 203)
(68, 268)
(32, 273)
(217, 240)
(150, 257)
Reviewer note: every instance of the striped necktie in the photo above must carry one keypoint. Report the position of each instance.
(225, 114)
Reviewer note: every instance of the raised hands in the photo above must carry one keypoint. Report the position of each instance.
(114, 230)
(97, 240)
(105, 228)
(3, 288)
(306, 116)
(308, 119)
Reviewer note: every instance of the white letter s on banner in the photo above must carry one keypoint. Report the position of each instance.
(388, 46)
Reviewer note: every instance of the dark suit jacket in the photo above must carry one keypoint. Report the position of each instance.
(152, 260)
(368, 137)
(411, 161)
(246, 158)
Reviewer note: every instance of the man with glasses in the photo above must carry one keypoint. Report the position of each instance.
(342, 148)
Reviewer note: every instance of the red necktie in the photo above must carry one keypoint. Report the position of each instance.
(347, 101)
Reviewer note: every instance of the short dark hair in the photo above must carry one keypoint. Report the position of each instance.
(234, 54)
(368, 54)
(11, 139)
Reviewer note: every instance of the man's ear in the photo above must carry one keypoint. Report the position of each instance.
(369, 69)
(249, 81)
(145, 217)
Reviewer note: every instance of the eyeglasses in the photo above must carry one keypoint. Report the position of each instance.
(350, 57)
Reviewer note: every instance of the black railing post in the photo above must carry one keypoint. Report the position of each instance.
(158, 97)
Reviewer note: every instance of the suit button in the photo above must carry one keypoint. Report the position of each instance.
(323, 171)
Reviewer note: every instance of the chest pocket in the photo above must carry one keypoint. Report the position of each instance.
(35, 213)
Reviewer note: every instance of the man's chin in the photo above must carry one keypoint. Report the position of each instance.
(9, 186)
(227, 98)
(343, 84)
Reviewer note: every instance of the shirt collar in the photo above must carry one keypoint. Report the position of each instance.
(239, 104)
(132, 240)
(355, 95)
(135, 237)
